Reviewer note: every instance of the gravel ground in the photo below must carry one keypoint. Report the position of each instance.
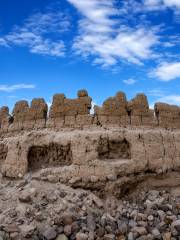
(42, 210)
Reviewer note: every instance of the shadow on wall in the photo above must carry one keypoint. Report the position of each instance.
(3, 153)
(49, 156)
(113, 149)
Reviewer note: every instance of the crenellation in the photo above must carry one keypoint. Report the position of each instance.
(120, 138)
(167, 115)
(19, 115)
(82, 93)
(113, 110)
(38, 109)
(5, 118)
(62, 106)
(75, 113)
(37, 113)
(139, 111)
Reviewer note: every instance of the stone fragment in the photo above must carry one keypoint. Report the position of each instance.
(81, 236)
(109, 237)
(11, 228)
(176, 225)
(167, 236)
(122, 227)
(67, 218)
(61, 237)
(150, 218)
(25, 197)
(156, 233)
(49, 233)
(120, 237)
(27, 230)
(130, 236)
(139, 230)
(68, 230)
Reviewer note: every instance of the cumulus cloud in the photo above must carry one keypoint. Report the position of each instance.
(167, 71)
(109, 32)
(102, 36)
(12, 88)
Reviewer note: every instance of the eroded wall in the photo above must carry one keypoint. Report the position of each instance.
(126, 137)
(104, 154)
(75, 113)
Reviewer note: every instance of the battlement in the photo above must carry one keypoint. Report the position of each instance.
(75, 113)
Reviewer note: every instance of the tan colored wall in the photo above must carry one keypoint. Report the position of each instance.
(75, 113)
(27, 117)
(105, 154)
(5, 118)
(139, 111)
(113, 111)
(167, 115)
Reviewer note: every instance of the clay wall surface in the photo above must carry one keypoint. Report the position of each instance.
(167, 115)
(90, 154)
(121, 137)
(75, 113)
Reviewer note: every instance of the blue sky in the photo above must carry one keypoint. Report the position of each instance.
(104, 46)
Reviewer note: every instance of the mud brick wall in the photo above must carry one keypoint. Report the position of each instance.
(5, 118)
(139, 111)
(75, 113)
(27, 117)
(167, 115)
(70, 112)
(113, 111)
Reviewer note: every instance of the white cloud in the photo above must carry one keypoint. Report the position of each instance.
(48, 22)
(171, 99)
(3, 42)
(172, 3)
(162, 4)
(167, 71)
(12, 88)
(102, 36)
(129, 81)
(35, 32)
(93, 104)
(156, 93)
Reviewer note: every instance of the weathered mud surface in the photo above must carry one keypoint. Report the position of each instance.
(93, 154)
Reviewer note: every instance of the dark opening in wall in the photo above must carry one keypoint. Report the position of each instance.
(49, 155)
(113, 149)
(3, 153)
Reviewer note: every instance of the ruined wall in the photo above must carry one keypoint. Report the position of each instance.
(167, 115)
(5, 118)
(75, 113)
(27, 117)
(52, 154)
(90, 155)
(70, 112)
(114, 111)
(139, 111)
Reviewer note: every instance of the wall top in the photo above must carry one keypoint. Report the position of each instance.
(76, 113)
